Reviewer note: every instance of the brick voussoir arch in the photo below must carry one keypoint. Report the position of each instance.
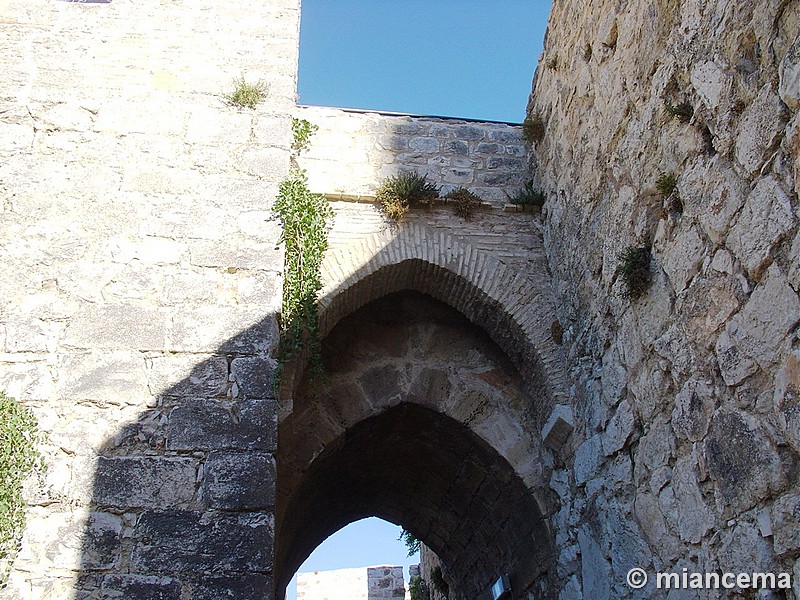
(515, 309)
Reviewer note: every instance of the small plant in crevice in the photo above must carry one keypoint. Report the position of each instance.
(634, 270)
(411, 541)
(683, 111)
(557, 332)
(302, 130)
(552, 62)
(438, 582)
(529, 195)
(399, 193)
(666, 184)
(464, 202)
(533, 128)
(18, 458)
(246, 95)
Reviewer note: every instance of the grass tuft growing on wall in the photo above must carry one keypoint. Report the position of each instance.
(529, 195)
(398, 193)
(246, 95)
(18, 457)
(634, 269)
(464, 202)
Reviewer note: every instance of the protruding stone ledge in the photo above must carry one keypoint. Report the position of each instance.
(558, 427)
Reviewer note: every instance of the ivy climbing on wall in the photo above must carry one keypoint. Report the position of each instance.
(18, 457)
(306, 219)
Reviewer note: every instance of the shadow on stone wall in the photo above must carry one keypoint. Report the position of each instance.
(182, 499)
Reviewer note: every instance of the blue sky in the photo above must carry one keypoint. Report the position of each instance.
(460, 58)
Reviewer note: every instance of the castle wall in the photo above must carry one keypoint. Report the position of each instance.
(137, 243)
(685, 453)
(353, 152)
(366, 583)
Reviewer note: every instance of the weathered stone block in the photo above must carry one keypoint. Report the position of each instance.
(759, 128)
(456, 147)
(431, 388)
(169, 542)
(787, 398)
(381, 385)
(188, 375)
(651, 520)
(428, 145)
(682, 502)
(208, 425)
(100, 540)
(712, 193)
(469, 132)
(119, 376)
(694, 406)
(239, 481)
(789, 82)
(588, 458)
(223, 329)
(140, 587)
(744, 550)
(742, 461)
(262, 161)
(144, 482)
(683, 259)
(733, 361)
(122, 326)
(767, 217)
(255, 376)
(619, 428)
(595, 570)
(766, 319)
(786, 523)
(558, 427)
(503, 162)
(228, 254)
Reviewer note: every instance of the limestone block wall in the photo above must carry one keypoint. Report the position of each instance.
(354, 151)
(366, 583)
(141, 278)
(686, 448)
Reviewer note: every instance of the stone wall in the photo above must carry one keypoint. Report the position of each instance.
(367, 583)
(137, 246)
(354, 151)
(686, 452)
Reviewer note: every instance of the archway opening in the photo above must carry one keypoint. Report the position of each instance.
(418, 421)
(349, 556)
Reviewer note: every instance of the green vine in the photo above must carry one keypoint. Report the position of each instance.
(305, 218)
(18, 457)
(302, 131)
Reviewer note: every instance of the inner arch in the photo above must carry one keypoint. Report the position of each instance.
(422, 420)
(425, 471)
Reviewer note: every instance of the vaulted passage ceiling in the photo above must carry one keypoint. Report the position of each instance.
(417, 421)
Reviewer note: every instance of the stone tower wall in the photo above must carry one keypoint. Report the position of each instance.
(136, 241)
(686, 448)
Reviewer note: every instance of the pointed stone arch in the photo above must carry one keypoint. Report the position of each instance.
(516, 309)
(317, 437)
